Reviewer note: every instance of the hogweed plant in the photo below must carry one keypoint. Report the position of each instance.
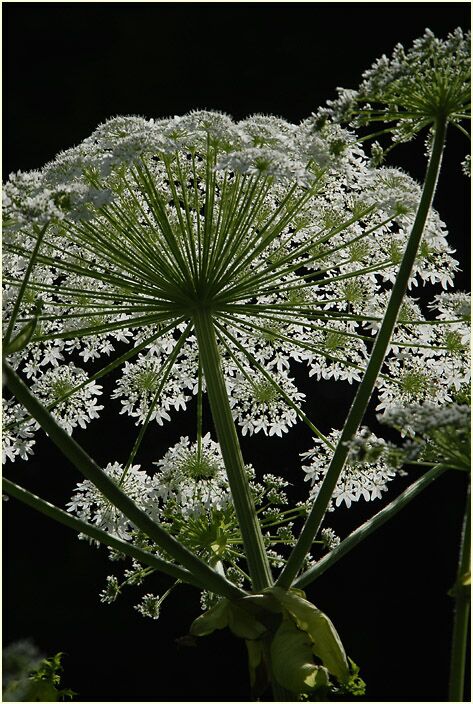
(200, 256)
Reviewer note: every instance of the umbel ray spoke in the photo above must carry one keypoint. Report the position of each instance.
(228, 314)
(246, 328)
(88, 293)
(105, 327)
(295, 260)
(116, 279)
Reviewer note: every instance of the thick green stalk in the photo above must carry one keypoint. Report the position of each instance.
(461, 593)
(368, 527)
(146, 558)
(222, 416)
(81, 460)
(365, 389)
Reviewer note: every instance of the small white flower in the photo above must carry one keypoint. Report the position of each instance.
(359, 479)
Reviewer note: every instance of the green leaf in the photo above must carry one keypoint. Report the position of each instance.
(326, 643)
(292, 660)
(355, 685)
(214, 619)
(243, 624)
(226, 613)
(42, 691)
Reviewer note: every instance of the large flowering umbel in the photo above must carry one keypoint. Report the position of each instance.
(285, 236)
(412, 89)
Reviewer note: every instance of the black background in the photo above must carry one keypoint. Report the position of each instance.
(68, 67)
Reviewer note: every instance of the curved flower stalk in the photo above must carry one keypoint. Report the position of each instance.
(446, 83)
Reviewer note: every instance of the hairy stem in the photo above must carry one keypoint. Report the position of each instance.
(227, 437)
(365, 389)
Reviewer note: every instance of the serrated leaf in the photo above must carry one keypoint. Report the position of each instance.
(326, 643)
(214, 619)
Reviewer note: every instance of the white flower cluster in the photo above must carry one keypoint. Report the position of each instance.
(193, 477)
(32, 198)
(79, 408)
(189, 494)
(411, 88)
(18, 440)
(90, 505)
(359, 479)
(150, 606)
(329, 538)
(423, 418)
(437, 434)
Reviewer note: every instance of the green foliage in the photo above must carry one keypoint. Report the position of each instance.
(28, 678)
(288, 637)
(292, 659)
(228, 614)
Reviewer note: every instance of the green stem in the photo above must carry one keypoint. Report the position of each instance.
(24, 284)
(365, 389)
(199, 415)
(369, 527)
(239, 485)
(81, 460)
(48, 509)
(461, 592)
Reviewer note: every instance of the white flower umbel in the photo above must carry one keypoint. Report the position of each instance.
(284, 234)
(90, 505)
(359, 479)
(77, 410)
(193, 476)
(190, 495)
(408, 90)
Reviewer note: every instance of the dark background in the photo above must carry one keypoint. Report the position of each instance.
(69, 67)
